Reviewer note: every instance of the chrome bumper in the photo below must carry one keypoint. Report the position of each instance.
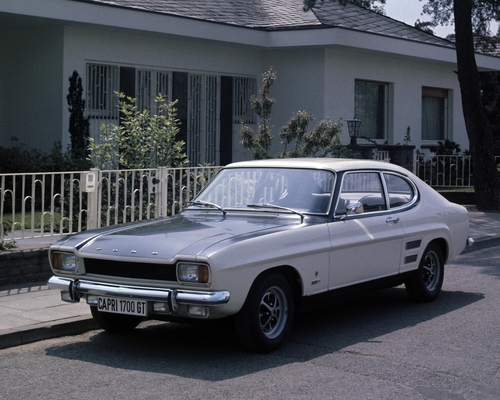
(72, 290)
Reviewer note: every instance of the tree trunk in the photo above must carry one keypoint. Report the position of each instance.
(479, 131)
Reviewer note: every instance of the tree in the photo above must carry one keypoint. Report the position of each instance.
(369, 4)
(472, 18)
(260, 143)
(490, 91)
(78, 124)
(318, 142)
(141, 140)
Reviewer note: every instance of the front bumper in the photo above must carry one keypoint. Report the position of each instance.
(72, 290)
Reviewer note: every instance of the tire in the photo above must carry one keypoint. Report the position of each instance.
(114, 323)
(426, 283)
(267, 315)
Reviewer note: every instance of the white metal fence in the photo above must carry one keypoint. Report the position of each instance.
(442, 170)
(57, 203)
(445, 170)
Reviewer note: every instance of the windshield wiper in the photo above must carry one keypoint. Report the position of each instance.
(267, 205)
(208, 204)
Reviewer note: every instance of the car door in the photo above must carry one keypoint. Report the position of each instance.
(366, 236)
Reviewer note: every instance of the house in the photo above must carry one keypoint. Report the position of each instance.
(338, 61)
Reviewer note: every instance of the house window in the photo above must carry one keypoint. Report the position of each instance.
(370, 106)
(148, 85)
(203, 119)
(210, 117)
(434, 110)
(102, 83)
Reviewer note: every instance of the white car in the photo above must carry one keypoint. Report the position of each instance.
(264, 240)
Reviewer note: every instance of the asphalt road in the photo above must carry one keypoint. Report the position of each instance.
(380, 346)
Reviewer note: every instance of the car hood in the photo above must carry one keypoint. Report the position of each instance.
(175, 236)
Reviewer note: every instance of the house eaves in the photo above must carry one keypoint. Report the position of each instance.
(273, 15)
(284, 24)
(259, 23)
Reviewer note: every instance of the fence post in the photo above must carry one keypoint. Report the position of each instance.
(93, 199)
(162, 192)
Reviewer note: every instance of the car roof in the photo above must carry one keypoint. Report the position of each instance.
(333, 164)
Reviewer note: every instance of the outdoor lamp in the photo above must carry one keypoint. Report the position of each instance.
(353, 127)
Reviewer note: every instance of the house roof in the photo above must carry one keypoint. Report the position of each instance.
(282, 15)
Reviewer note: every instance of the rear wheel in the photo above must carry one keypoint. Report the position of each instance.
(114, 322)
(425, 285)
(267, 315)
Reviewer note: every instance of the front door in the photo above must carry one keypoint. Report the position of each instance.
(366, 243)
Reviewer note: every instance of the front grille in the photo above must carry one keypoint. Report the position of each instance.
(127, 269)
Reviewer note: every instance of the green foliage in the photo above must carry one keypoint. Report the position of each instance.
(78, 125)
(338, 150)
(141, 140)
(407, 138)
(6, 227)
(483, 11)
(260, 143)
(8, 245)
(490, 90)
(446, 148)
(315, 143)
(69, 160)
(369, 4)
(19, 158)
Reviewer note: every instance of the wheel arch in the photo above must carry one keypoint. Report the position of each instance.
(443, 246)
(292, 276)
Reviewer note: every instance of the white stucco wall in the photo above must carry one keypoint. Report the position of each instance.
(31, 76)
(406, 77)
(33, 69)
(300, 86)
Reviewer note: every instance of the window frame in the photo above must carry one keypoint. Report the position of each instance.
(386, 194)
(382, 133)
(436, 93)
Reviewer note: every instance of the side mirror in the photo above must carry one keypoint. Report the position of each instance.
(354, 208)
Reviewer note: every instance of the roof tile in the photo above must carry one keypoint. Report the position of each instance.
(282, 14)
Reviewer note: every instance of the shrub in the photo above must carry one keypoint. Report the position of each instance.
(141, 140)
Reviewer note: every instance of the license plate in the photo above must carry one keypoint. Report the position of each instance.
(122, 306)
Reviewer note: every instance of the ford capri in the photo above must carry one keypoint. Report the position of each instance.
(263, 240)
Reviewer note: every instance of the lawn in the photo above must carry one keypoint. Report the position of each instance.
(37, 219)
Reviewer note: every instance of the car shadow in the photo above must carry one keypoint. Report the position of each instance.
(211, 352)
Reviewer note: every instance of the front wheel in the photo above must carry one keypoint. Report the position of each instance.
(425, 285)
(267, 315)
(114, 322)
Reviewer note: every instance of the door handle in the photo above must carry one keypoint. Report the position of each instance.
(392, 219)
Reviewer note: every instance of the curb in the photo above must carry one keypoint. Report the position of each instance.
(483, 243)
(50, 330)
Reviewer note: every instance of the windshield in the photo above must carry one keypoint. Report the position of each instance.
(304, 190)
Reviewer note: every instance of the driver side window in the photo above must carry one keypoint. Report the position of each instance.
(361, 187)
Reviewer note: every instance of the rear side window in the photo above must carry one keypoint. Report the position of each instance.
(401, 191)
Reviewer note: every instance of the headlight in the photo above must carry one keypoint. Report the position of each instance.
(64, 261)
(192, 272)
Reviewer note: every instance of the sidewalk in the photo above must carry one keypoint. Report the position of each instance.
(33, 312)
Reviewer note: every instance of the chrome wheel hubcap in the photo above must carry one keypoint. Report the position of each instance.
(431, 271)
(273, 312)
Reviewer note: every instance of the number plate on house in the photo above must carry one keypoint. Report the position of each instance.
(122, 306)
